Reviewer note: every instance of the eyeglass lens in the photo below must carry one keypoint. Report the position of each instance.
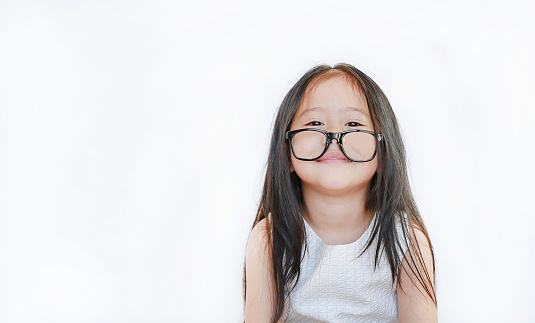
(358, 146)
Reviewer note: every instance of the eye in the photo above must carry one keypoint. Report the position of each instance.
(353, 124)
(314, 123)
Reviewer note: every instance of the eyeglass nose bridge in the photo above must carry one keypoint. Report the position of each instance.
(334, 135)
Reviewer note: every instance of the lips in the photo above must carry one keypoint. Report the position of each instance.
(333, 156)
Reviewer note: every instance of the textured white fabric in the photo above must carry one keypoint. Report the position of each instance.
(337, 286)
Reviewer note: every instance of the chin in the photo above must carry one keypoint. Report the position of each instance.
(336, 185)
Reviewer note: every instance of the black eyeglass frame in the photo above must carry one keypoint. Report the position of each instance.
(339, 136)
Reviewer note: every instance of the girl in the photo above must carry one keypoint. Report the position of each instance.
(337, 236)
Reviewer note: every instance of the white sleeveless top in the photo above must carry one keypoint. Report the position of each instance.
(336, 286)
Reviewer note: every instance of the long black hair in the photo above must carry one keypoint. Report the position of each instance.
(282, 203)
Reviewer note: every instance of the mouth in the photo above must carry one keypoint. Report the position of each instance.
(333, 157)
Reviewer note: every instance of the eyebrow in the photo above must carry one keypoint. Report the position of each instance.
(311, 109)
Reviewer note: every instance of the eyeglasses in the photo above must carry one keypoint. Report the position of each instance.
(310, 144)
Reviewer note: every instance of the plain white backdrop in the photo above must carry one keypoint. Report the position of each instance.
(134, 137)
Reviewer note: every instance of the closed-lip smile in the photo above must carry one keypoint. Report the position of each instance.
(333, 157)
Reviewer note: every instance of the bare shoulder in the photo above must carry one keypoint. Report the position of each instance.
(414, 304)
(418, 236)
(259, 289)
(258, 237)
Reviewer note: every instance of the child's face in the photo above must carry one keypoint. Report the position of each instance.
(333, 105)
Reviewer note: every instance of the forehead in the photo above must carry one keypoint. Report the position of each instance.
(335, 94)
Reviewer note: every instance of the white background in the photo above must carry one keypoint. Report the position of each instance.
(134, 135)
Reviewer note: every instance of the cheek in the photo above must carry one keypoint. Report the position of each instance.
(295, 163)
(300, 167)
(373, 165)
(292, 161)
(372, 170)
(368, 169)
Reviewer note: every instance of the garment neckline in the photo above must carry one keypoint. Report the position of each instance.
(361, 238)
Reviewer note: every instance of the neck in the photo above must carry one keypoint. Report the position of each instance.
(340, 218)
